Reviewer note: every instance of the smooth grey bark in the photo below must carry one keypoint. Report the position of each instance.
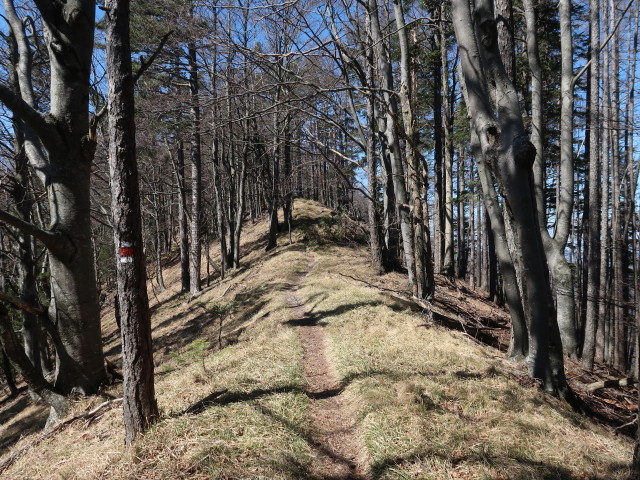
(563, 276)
(7, 370)
(20, 193)
(20, 65)
(510, 155)
(61, 146)
(140, 408)
(593, 240)
(554, 250)
(519, 342)
(392, 140)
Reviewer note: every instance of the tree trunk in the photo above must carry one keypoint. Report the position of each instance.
(593, 241)
(510, 154)
(519, 342)
(424, 285)
(506, 43)
(438, 155)
(375, 242)
(558, 266)
(272, 241)
(182, 219)
(11, 346)
(195, 251)
(448, 265)
(140, 408)
(8, 374)
(392, 141)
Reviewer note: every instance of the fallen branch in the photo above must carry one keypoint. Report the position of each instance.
(628, 424)
(368, 284)
(620, 382)
(213, 263)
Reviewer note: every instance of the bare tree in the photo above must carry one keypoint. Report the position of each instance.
(510, 155)
(140, 408)
(60, 146)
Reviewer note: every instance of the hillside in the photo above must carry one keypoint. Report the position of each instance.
(302, 365)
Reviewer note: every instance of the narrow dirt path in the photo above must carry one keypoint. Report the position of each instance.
(339, 448)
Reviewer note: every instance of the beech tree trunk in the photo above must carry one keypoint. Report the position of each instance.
(61, 146)
(510, 155)
(593, 240)
(554, 247)
(140, 408)
(11, 346)
(392, 141)
(7, 370)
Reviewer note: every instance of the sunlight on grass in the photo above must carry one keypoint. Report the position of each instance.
(430, 403)
(434, 405)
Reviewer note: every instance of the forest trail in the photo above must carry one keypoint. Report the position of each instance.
(339, 448)
(304, 365)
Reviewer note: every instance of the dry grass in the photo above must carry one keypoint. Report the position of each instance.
(431, 404)
(258, 429)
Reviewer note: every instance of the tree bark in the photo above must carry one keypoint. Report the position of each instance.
(510, 155)
(392, 141)
(7, 369)
(61, 149)
(558, 266)
(140, 408)
(424, 285)
(375, 241)
(11, 346)
(448, 265)
(195, 252)
(182, 219)
(593, 241)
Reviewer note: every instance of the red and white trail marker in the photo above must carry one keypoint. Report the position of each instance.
(125, 252)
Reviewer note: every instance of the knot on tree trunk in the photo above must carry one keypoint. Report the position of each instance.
(486, 28)
(524, 153)
(89, 145)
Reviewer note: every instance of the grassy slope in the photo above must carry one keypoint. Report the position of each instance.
(430, 403)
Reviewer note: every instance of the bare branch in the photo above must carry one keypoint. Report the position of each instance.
(20, 304)
(30, 116)
(52, 241)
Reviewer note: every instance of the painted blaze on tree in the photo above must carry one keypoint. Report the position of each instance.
(140, 407)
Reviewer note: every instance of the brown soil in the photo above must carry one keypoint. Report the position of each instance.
(339, 448)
